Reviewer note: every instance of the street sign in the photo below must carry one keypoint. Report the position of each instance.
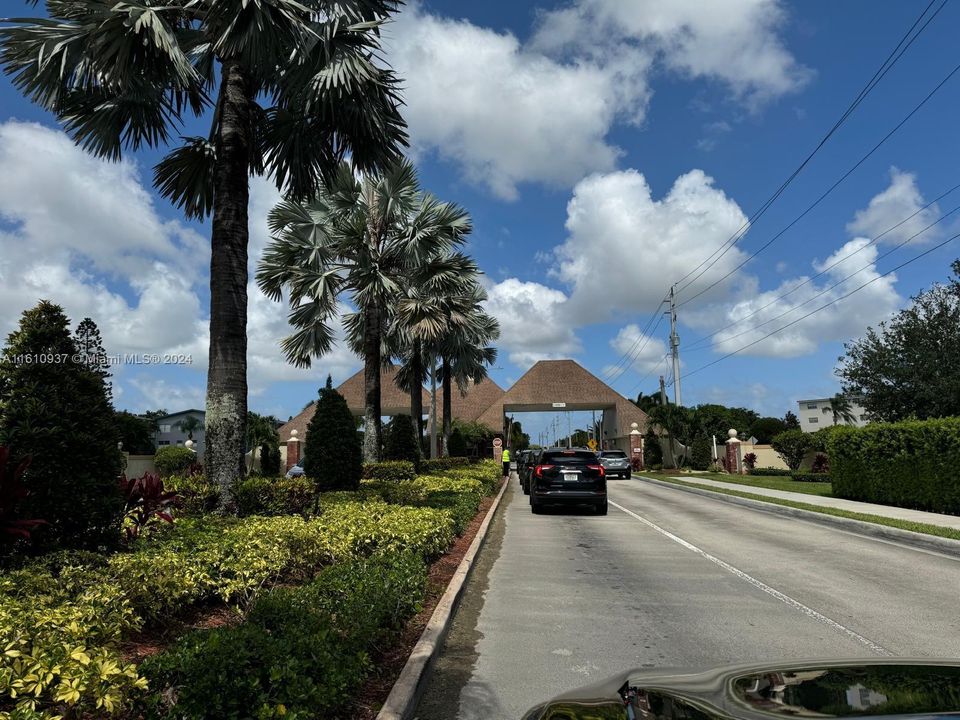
(592, 444)
(497, 442)
(559, 405)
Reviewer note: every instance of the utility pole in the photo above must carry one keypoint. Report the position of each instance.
(663, 392)
(569, 432)
(675, 347)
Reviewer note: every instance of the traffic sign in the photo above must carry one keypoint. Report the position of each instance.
(497, 442)
(592, 444)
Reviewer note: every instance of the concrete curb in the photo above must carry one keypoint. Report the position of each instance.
(860, 527)
(403, 698)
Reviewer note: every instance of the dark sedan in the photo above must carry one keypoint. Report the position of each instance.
(571, 476)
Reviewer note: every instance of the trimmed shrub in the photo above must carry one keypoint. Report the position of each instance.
(438, 465)
(259, 495)
(652, 451)
(197, 496)
(458, 444)
(58, 412)
(394, 471)
(769, 472)
(400, 441)
(700, 453)
(302, 653)
(809, 477)
(792, 446)
(269, 460)
(332, 452)
(173, 460)
(910, 464)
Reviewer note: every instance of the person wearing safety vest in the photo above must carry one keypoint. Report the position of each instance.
(506, 462)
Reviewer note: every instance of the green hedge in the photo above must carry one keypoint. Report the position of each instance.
(196, 495)
(302, 653)
(259, 495)
(429, 467)
(173, 460)
(810, 477)
(392, 470)
(769, 472)
(912, 464)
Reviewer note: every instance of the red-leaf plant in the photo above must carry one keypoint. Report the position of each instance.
(148, 503)
(750, 460)
(12, 491)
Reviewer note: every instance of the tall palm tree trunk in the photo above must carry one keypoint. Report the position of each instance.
(447, 405)
(371, 383)
(226, 408)
(416, 391)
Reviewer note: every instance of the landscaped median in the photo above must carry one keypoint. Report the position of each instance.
(310, 597)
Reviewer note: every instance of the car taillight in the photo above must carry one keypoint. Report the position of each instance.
(538, 471)
(599, 468)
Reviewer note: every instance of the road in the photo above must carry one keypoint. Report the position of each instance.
(672, 579)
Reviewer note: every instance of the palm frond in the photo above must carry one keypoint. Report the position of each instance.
(185, 177)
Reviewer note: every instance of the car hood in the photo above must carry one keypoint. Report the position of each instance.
(808, 689)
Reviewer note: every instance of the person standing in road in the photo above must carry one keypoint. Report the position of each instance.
(506, 462)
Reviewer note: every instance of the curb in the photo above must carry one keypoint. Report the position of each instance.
(403, 698)
(860, 527)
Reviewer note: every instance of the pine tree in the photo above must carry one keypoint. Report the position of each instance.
(58, 411)
(400, 441)
(332, 453)
(90, 348)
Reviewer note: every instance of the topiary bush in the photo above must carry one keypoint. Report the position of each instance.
(437, 465)
(173, 460)
(652, 451)
(57, 411)
(910, 464)
(457, 446)
(269, 460)
(261, 495)
(393, 471)
(332, 452)
(700, 453)
(400, 441)
(792, 446)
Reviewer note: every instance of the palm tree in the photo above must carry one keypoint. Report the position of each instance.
(367, 239)
(190, 425)
(289, 88)
(842, 410)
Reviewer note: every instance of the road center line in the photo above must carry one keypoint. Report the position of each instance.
(773, 592)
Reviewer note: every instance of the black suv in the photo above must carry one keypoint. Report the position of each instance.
(565, 476)
(530, 462)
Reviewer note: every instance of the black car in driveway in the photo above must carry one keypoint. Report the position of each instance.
(568, 476)
(527, 472)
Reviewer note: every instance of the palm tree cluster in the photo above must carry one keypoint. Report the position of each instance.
(386, 256)
(287, 89)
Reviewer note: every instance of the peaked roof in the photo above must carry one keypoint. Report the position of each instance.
(470, 405)
(567, 382)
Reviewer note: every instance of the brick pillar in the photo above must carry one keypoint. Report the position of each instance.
(293, 449)
(734, 464)
(636, 444)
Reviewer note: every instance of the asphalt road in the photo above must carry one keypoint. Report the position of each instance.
(671, 579)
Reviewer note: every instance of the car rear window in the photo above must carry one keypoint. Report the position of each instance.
(614, 454)
(568, 457)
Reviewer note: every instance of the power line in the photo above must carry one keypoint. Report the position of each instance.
(884, 68)
(698, 344)
(644, 337)
(829, 190)
(826, 305)
(650, 372)
(892, 58)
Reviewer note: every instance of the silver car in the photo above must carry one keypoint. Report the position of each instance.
(615, 462)
(296, 471)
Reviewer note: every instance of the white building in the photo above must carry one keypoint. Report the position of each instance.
(816, 414)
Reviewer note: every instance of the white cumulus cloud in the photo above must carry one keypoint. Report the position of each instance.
(901, 200)
(533, 322)
(645, 353)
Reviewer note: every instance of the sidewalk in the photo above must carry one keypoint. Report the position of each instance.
(897, 513)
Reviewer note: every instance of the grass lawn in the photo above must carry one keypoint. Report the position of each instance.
(772, 483)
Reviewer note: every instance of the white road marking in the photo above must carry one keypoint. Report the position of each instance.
(773, 592)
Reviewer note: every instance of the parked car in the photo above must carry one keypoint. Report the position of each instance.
(296, 471)
(615, 462)
(531, 462)
(568, 476)
(523, 457)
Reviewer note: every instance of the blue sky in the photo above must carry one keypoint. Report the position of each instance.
(603, 148)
